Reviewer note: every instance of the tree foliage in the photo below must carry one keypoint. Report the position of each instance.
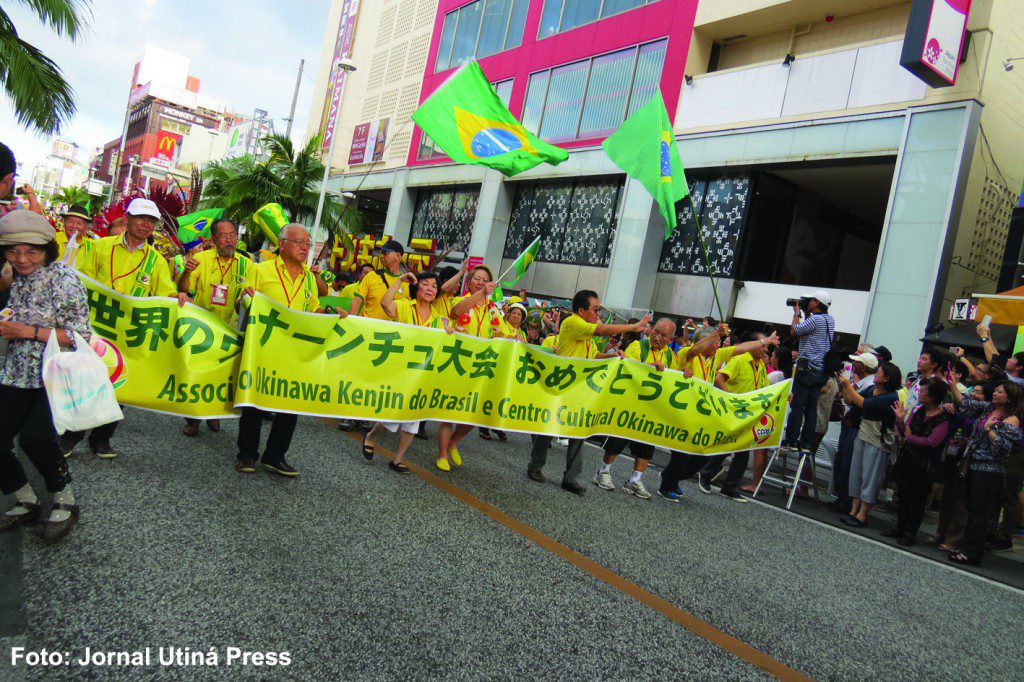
(288, 177)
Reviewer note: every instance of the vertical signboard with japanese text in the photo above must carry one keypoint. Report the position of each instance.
(336, 77)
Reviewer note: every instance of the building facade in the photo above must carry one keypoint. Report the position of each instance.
(62, 167)
(815, 160)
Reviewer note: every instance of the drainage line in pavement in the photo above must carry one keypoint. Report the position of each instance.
(605, 575)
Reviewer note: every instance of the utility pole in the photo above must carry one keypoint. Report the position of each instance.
(295, 97)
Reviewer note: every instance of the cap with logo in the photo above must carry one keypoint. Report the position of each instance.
(391, 245)
(143, 207)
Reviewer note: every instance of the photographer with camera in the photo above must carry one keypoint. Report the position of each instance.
(815, 334)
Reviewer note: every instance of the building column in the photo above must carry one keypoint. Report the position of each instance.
(401, 206)
(920, 228)
(493, 213)
(636, 250)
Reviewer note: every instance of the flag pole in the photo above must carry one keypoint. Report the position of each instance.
(707, 261)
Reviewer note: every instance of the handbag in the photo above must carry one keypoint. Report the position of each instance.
(78, 387)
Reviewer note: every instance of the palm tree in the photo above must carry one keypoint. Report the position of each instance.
(42, 98)
(72, 196)
(288, 177)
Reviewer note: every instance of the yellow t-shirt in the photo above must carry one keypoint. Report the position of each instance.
(704, 368)
(550, 342)
(744, 374)
(406, 312)
(214, 272)
(443, 304)
(142, 272)
(349, 290)
(665, 356)
(372, 289)
(271, 279)
(481, 320)
(576, 338)
(509, 333)
(84, 241)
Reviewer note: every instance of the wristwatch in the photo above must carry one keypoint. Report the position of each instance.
(985, 339)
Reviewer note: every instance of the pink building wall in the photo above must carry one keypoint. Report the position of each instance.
(672, 19)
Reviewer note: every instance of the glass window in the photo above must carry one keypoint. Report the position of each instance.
(648, 75)
(549, 20)
(534, 105)
(464, 46)
(504, 90)
(607, 94)
(576, 220)
(588, 99)
(516, 24)
(565, 97)
(578, 12)
(721, 203)
(615, 6)
(446, 215)
(444, 48)
(492, 30)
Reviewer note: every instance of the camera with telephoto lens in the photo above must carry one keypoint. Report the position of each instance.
(803, 302)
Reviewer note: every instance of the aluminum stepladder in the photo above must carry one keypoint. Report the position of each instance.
(804, 459)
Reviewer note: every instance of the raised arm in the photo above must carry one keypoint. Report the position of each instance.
(612, 329)
(470, 302)
(452, 285)
(388, 301)
(741, 348)
(850, 394)
(987, 345)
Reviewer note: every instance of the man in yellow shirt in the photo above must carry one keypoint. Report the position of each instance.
(129, 264)
(75, 233)
(367, 297)
(653, 351)
(215, 279)
(576, 339)
(289, 281)
(349, 290)
(744, 373)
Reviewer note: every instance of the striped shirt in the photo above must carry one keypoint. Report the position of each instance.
(816, 334)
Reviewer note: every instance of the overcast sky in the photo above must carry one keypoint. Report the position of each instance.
(245, 53)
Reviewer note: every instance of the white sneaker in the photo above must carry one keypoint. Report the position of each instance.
(604, 481)
(564, 442)
(637, 489)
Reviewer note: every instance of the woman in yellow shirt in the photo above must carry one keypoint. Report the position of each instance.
(418, 312)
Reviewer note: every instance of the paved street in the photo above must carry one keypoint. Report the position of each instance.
(360, 573)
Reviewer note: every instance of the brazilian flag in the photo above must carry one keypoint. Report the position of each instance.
(195, 227)
(468, 121)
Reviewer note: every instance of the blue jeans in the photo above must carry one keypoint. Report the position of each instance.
(804, 408)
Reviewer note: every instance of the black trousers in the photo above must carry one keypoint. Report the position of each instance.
(615, 446)
(734, 476)
(26, 414)
(101, 434)
(250, 427)
(681, 467)
(983, 490)
(913, 486)
(841, 465)
(1009, 504)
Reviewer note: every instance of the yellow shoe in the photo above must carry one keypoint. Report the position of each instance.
(454, 456)
(443, 465)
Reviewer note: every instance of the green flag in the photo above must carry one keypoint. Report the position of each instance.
(524, 261)
(498, 295)
(645, 149)
(196, 226)
(468, 121)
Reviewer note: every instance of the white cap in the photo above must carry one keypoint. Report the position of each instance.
(143, 207)
(869, 360)
(821, 296)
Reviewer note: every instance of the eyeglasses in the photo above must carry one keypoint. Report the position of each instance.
(29, 253)
(297, 242)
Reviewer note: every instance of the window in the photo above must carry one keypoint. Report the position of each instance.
(446, 215)
(576, 220)
(428, 150)
(479, 29)
(563, 15)
(721, 202)
(590, 98)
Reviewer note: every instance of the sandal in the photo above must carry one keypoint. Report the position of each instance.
(946, 547)
(398, 467)
(501, 435)
(485, 434)
(367, 450)
(934, 540)
(52, 531)
(961, 558)
(12, 521)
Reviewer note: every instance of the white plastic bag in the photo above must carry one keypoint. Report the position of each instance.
(78, 387)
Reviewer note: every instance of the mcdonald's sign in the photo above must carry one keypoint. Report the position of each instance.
(167, 146)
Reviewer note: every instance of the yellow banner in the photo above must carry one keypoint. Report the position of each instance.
(373, 370)
(164, 358)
